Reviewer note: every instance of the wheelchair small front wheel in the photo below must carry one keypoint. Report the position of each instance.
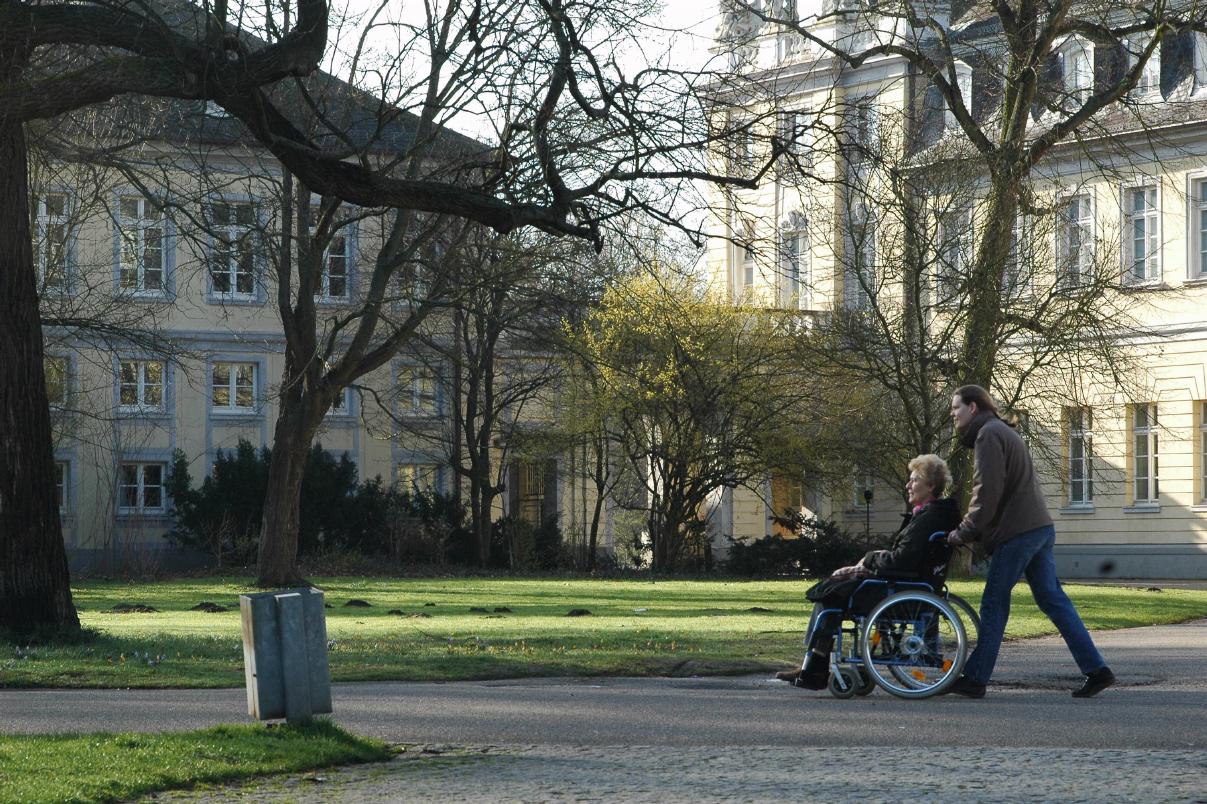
(865, 684)
(914, 644)
(843, 682)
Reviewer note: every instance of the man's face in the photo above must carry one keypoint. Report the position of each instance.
(961, 414)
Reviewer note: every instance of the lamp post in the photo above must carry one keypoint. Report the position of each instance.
(867, 517)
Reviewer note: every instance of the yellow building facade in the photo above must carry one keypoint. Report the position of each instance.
(1124, 456)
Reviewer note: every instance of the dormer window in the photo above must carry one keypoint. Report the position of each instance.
(1149, 81)
(1200, 61)
(964, 83)
(1077, 66)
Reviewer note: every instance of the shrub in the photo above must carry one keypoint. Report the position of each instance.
(338, 514)
(819, 548)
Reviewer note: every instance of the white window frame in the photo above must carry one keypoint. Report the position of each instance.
(139, 487)
(797, 135)
(1151, 217)
(862, 237)
(419, 390)
(1199, 40)
(419, 476)
(1021, 261)
(1080, 423)
(62, 365)
(794, 243)
(864, 128)
(341, 406)
(1196, 225)
(955, 241)
(62, 484)
(1078, 85)
(1202, 452)
(1148, 85)
(1144, 432)
(45, 220)
(142, 385)
(136, 225)
(226, 239)
(964, 84)
(1075, 239)
(237, 381)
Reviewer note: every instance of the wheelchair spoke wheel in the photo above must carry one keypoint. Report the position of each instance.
(972, 620)
(914, 644)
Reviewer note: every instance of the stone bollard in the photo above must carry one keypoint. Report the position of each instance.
(285, 654)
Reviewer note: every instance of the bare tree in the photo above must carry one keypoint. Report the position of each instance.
(580, 141)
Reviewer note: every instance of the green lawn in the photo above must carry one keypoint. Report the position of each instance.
(472, 628)
(118, 767)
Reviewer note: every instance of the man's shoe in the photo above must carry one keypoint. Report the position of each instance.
(1095, 683)
(968, 688)
(787, 675)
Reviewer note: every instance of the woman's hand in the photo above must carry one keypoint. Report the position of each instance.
(849, 572)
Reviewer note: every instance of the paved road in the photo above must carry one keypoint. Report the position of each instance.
(737, 738)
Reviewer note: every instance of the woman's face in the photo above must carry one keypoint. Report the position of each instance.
(917, 489)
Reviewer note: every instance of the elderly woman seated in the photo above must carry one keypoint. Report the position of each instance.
(906, 557)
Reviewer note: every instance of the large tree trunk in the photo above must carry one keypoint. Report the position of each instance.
(35, 588)
(295, 429)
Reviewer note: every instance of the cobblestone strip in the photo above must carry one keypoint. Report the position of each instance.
(661, 774)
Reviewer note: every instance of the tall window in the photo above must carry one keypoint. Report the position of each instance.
(964, 84)
(795, 249)
(1200, 60)
(1020, 263)
(1076, 246)
(1149, 82)
(1078, 67)
(50, 237)
(1198, 225)
(141, 385)
(1144, 453)
(1142, 233)
(142, 247)
(411, 477)
(860, 279)
(1081, 467)
(1203, 451)
(864, 130)
(234, 387)
(955, 237)
(748, 264)
(62, 471)
(418, 387)
(233, 257)
(334, 281)
(55, 368)
(796, 135)
(140, 488)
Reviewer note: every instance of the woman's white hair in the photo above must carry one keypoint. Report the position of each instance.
(933, 470)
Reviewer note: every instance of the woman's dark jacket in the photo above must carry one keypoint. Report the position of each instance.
(906, 556)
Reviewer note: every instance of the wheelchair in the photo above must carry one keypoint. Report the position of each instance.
(910, 637)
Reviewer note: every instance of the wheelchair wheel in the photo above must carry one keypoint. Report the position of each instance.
(914, 644)
(843, 682)
(972, 620)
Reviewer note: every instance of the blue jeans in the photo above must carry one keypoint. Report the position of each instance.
(1028, 554)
